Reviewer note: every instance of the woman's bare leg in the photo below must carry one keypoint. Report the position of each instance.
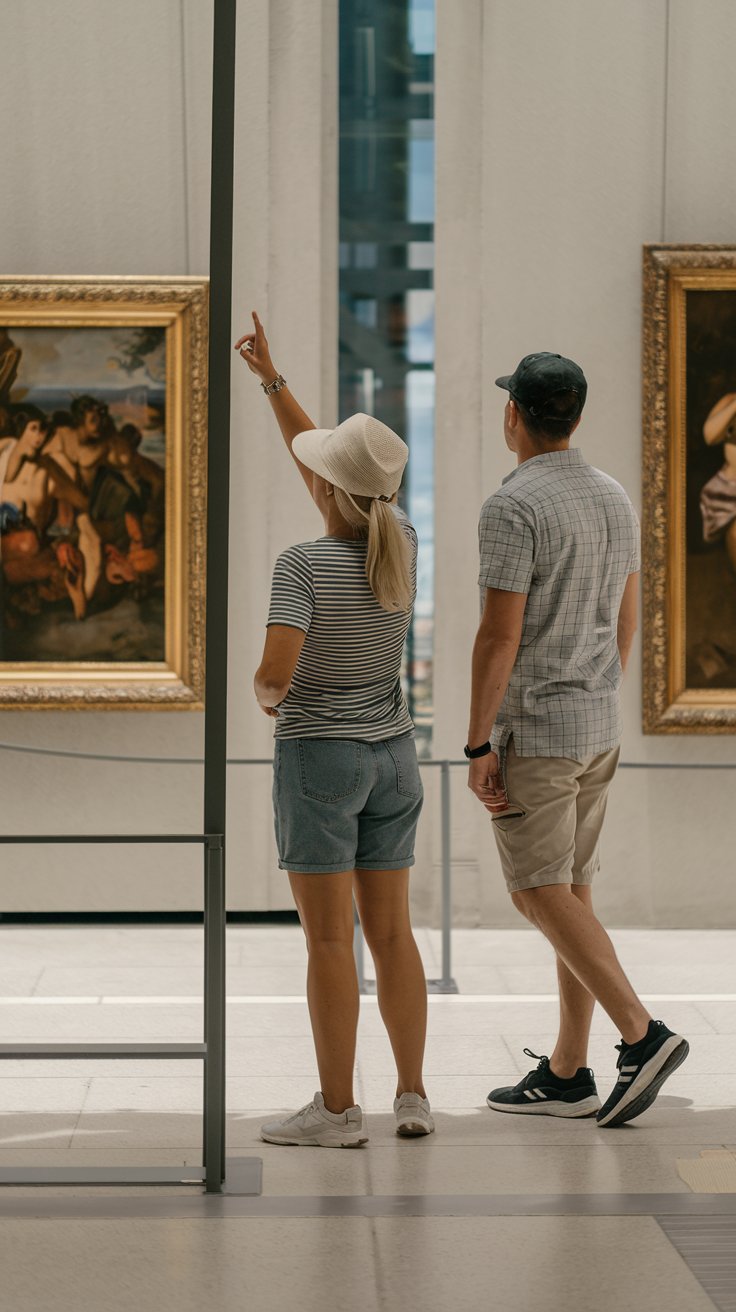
(325, 906)
(383, 905)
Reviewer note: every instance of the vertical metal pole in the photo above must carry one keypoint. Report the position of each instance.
(446, 875)
(359, 949)
(218, 490)
(214, 1017)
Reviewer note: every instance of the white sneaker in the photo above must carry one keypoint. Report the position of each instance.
(314, 1127)
(412, 1115)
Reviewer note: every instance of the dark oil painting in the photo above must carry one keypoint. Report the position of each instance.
(82, 494)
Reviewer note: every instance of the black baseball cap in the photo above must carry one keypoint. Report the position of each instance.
(539, 377)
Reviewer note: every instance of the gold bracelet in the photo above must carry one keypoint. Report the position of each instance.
(276, 386)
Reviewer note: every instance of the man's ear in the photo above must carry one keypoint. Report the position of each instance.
(513, 412)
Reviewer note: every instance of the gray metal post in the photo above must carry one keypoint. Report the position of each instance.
(446, 984)
(359, 950)
(218, 486)
(446, 875)
(214, 1014)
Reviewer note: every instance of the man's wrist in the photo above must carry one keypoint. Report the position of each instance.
(473, 752)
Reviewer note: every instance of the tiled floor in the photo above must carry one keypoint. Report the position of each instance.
(64, 984)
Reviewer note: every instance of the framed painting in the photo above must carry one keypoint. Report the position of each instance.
(689, 524)
(103, 413)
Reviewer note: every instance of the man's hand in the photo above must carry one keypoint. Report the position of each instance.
(484, 779)
(269, 710)
(253, 348)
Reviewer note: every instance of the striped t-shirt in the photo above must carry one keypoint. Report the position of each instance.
(347, 679)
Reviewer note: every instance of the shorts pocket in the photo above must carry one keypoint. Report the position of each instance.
(403, 752)
(507, 819)
(328, 771)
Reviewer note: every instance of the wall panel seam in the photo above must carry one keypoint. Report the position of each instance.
(665, 118)
(185, 135)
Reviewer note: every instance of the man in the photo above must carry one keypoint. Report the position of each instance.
(559, 551)
(145, 476)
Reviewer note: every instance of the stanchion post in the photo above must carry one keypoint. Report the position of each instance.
(214, 1013)
(446, 984)
(359, 949)
(218, 496)
(446, 876)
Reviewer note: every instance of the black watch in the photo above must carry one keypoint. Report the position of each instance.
(473, 752)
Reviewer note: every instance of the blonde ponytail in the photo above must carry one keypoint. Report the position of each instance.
(387, 565)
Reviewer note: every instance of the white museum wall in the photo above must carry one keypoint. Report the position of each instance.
(105, 160)
(599, 127)
(555, 162)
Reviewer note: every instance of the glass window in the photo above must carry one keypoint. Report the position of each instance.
(386, 261)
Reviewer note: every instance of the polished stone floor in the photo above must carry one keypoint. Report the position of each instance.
(477, 1174)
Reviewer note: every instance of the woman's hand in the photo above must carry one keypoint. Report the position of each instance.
(253, 347)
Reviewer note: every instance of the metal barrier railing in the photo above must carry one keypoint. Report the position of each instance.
(445, 984)
(211, 1051)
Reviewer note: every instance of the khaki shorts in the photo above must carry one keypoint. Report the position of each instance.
(564, 802)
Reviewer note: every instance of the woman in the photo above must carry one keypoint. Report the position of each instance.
(347, 790)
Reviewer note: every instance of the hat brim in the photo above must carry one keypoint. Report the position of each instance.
(307, 447)
(505, 382)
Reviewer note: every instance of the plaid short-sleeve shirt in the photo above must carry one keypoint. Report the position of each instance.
(568, 536)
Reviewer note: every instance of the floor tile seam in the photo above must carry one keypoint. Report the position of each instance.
(524, 1207)
(75, 1127)
(703, 1016)
(384, 1300)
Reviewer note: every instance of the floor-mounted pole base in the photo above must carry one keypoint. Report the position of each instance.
(243, 1176)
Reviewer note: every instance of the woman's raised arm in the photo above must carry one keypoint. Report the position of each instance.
(253, 348)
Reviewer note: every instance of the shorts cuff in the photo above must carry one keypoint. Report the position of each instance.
(586, 875)
(305, 868)
(385, 865)
(526, 882)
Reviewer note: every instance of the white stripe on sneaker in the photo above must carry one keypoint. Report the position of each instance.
(529, 1094)
(540, 1094)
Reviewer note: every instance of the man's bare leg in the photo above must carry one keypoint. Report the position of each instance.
(583, 945)
(576, 1012)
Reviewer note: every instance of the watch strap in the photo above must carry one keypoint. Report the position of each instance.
(473, 753)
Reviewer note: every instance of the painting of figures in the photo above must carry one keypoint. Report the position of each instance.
(689, 520)
(711, 489)
(101, 449)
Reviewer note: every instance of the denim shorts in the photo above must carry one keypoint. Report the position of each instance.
(340, 804)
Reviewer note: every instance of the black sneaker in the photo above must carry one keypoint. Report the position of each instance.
(544, 1094)
(643, 1068)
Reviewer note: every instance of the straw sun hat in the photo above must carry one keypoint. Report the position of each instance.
(362, 456)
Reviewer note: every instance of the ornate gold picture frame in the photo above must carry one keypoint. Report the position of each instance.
(689, 517)
(103, 434)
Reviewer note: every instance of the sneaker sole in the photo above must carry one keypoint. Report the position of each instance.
(582, 1110)
(648, 1082)
(414, 1129)
(324, 1141)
